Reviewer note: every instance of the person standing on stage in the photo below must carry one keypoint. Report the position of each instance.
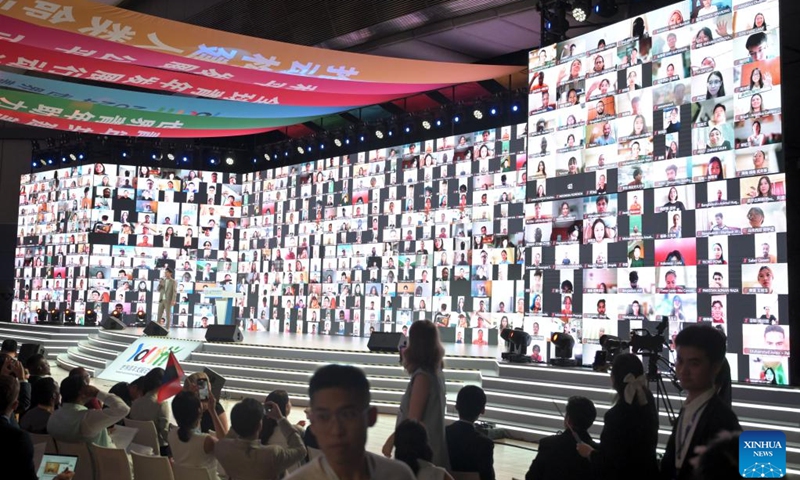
(166, 299)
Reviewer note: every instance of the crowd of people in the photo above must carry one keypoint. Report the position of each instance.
(259, 442)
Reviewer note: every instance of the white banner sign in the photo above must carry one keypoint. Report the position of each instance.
(145, 354)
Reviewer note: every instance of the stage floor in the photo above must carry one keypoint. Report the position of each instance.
(324, 342)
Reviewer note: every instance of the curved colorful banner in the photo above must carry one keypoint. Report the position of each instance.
(117, 130)
(91, 112)
(25, 33)
(152, 102)
(191, 42)
(40, 60)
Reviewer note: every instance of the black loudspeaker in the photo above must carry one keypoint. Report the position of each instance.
(386, 342)
(224, 333)
(27, 350)
(155, 330)
(111, 323)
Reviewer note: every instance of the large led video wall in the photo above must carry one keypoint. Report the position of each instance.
(656, 180)
(647, 182)
(98, 237)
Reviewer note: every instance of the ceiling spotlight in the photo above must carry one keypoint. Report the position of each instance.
(581, 9)
(171, 155)
(156, 155)
(266, 156)
(477, 113)
(426, 124)
(73, 157)
(229, 160)
(300, 149)
(337, 141)
(379, 133)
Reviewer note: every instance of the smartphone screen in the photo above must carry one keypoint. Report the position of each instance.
(202, 389)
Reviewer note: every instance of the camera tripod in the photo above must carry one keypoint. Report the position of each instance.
(662, 396)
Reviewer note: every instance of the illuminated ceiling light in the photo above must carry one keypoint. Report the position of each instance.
(477, 113)
(171, 155)
(581, 9)
(229, 160)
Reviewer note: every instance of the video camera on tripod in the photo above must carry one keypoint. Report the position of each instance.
(649, 346)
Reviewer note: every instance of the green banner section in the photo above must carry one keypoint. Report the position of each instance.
(68, 109)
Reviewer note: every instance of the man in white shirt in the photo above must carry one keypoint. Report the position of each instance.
(700, 357)
(75, 423)
(340, 416)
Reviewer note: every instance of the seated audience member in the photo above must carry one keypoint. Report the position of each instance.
(92, 403)
(206, 422)
(189, 447)
(630, 431)
(73, 422)
(557, 457)
(123, 391)
(11, 367)
(16, 444)
(9, 348)
(44, 398)
(700, 352)
(148, 409)
(270, 433)
(469, 449)
(38, 367)
(411, 447)
(340, 416)
(241, 453)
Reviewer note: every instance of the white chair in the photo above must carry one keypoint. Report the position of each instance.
(151, 468)
(146, 435)
(110, 463)
(37, 438)
(85, 467)
(191, 473)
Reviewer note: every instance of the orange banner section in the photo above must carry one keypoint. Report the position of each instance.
(188, 41)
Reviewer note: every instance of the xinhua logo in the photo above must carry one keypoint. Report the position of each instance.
(762, 454)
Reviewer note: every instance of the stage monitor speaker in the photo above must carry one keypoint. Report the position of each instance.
(224, 333)
(155, 330)
(27, 350)
(112, 323)
(386, 342)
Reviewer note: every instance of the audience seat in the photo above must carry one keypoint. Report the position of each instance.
(147, 467)
(147, 435)
(85, 468)
(110, 463)
(37, 438)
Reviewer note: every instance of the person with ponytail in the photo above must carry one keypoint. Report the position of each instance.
(189, 447)
(412, 448)
(630, 432)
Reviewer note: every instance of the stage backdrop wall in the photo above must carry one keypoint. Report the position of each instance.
(648, 183)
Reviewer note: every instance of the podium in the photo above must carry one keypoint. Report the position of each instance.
(223, 300)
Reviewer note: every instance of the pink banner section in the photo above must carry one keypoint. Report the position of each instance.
(25, 33)
(116, 130)
(189, 41)
(55, 63)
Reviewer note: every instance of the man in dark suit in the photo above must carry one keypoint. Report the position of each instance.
(700, 357)
(469, 449)
(14, 443)
(558, 457)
